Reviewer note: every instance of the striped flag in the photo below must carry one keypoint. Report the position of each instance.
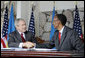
(32, 24)
(4, 43)
(77, 24)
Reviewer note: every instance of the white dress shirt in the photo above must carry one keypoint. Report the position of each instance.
(61, 31)
(23, 34)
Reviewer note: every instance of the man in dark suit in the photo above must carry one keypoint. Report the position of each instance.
(21, 37)
(68, 40)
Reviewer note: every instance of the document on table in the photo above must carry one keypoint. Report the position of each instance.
(7, 49)
(14, 49)
(43, 49)
(27, 49)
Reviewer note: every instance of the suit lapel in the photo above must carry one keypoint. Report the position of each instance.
(26, 36)
(63, 36)
(56, 40)
(18, 36)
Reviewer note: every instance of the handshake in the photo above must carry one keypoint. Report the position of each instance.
(28, 45)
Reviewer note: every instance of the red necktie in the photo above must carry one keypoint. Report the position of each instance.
(59, 37)
(22, 37)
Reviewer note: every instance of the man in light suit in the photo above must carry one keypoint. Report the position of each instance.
(69, 38)
(15, 39)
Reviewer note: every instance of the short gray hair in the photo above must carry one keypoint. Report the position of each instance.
(17, 20)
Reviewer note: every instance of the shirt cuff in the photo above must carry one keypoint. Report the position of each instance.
(20, 45)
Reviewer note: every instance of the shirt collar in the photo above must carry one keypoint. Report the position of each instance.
(23, 34)
(61, 30)
(20, 32)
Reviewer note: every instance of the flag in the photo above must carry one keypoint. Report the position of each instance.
(11, 26)
(32, 24)
(4, 43)
(52, 27)
(77, 24)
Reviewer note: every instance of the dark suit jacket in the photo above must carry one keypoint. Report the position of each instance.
(69, 41)
(15, 38)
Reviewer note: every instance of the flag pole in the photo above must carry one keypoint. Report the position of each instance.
(76, 2)
(53, 3)
(52, 27)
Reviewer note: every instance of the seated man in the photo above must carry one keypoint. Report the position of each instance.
(65, 38)
(21, 37)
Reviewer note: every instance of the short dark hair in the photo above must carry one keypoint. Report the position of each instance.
(62, 18)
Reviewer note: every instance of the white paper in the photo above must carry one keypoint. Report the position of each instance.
(27, 49)
(44, 49)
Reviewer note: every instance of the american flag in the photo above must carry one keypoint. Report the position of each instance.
(77, 25)
(32, 24)
(5, 30)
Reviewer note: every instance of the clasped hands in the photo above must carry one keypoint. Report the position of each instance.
(28, 45)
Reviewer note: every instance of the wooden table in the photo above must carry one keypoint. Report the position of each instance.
(40, 54)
